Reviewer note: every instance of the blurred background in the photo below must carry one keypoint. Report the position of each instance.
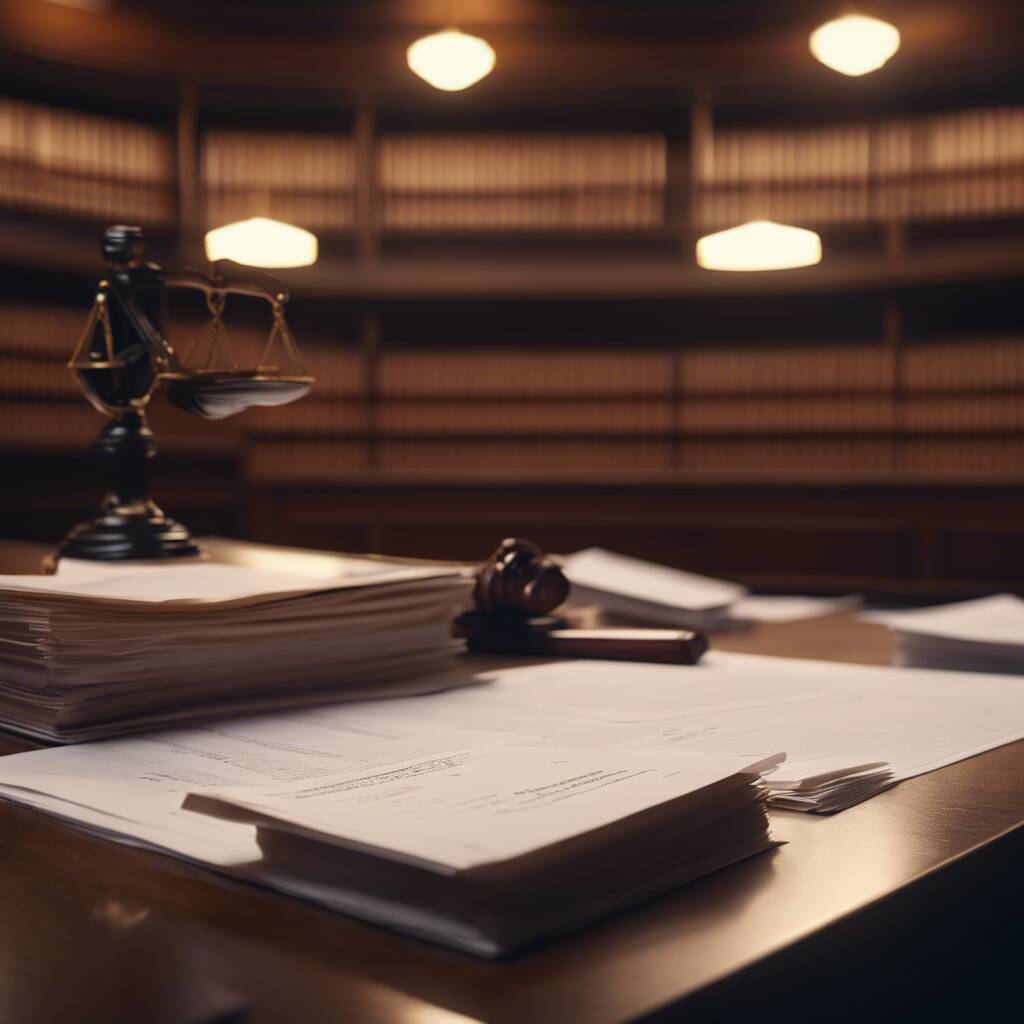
(508, 325)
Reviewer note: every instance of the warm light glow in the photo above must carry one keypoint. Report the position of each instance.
(855, 44)
(262, 242)
(451, 60)
(759, 245)
(85, 5)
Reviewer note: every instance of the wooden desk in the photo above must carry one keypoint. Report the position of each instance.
(905, 907)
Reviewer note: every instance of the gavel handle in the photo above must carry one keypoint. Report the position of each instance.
(672, 646)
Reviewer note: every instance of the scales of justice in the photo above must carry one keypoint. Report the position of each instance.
(124, 355)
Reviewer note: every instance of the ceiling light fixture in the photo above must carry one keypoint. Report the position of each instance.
(759, 245)
(451, 60)
(855, 43)
(262, 242)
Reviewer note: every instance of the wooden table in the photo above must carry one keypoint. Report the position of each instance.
(904, 907)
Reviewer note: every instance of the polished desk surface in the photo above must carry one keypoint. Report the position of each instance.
(97, 931)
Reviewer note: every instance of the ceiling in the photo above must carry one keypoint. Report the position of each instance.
(355, 48)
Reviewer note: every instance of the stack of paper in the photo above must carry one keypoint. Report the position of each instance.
(102, 649)
(379, 776)
(986, 635)
(658, 594)
(653, 593)
(493, 849)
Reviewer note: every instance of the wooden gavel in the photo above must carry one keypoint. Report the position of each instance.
(516, 590)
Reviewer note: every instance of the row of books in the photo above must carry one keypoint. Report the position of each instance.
(33, 334)
(280, 460)
(962, 414)
(607, 416)
(750, 416)
(956, 364)
(940, 440)
(304, 178)
(510, 371)
(949, 405)
(79, 164)
(496, 163)
(600, 209)
(948, 165)
(880, 149)
(63, 420)
(35, 342)
(314, 415)
(23, 375)
(898, 415)
(951, 365)
(513, 163)
(978, 195)
(38, 391)
(69, 423)
(536, 181)
(941, 456)
(934, 167)
(645, 408)
(781, 368)
(31, 329)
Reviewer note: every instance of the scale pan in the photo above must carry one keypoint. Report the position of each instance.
(217, 394)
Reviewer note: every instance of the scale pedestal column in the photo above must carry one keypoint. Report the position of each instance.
(130, 526)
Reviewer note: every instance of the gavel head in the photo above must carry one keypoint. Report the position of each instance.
(517, 580)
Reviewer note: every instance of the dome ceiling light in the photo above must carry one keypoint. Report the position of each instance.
(759, 245)
(451, 60)
(855, 43)
(262, 242)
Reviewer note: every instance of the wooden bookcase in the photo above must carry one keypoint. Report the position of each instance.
(508, 327)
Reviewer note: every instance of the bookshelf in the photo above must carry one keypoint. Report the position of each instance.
(303, 178)
(968, 164)
(516, 301)
(84, 166)
(521, 183)
(891, 187)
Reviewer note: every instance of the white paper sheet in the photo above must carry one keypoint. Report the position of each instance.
(790, 608)
(995, 620)
(822, 714)
(607, 572)
(462, 809)
(827, 717)
(192, 583)
(136, 786)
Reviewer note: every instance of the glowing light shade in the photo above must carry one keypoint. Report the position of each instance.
(759, 245)
(262, 242)
(855, 44)
(451, 60)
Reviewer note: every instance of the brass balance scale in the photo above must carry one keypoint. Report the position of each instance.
(123, 355)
